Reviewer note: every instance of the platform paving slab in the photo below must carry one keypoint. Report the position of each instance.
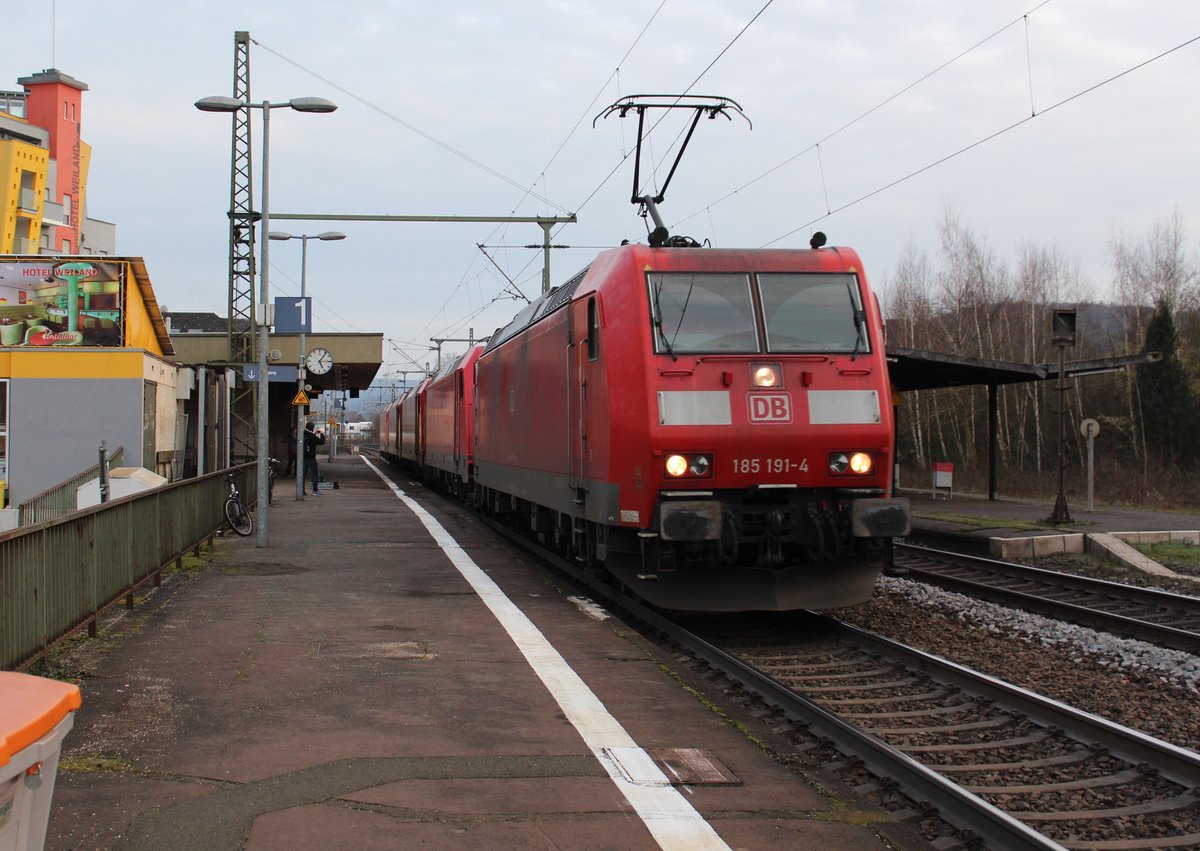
(344, 688)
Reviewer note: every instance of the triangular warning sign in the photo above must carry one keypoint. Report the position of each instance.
(301, 398)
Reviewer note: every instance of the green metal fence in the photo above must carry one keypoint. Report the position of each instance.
(60, 499)
(60, 575)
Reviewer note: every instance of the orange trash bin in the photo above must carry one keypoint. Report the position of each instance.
(35, 716)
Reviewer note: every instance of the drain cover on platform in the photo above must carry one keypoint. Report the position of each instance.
(692, 767)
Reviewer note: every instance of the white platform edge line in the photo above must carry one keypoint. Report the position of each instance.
(671, 819)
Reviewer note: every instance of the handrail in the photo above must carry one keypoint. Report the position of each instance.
(62, 574)
(59, 499)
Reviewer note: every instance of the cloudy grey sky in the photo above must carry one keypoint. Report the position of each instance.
(486, 108)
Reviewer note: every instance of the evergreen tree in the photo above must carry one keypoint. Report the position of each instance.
(1169, 411)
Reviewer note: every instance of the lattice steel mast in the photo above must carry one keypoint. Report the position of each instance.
(242, 219)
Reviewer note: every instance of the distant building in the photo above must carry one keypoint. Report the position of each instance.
(44, 169)
(201, 323)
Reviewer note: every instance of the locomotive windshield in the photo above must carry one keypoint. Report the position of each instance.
(702, 312)
(813, 313)
(705, 312)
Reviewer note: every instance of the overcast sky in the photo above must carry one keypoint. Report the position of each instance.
(459, 108)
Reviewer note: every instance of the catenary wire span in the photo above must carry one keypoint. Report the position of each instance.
(984, 140)
(898, 94)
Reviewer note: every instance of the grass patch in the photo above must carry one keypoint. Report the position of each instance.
(1171, 551)
(56, 667)
(190, 565)
(96, 764)
(976, 521)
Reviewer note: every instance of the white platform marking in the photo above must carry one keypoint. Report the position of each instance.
(671, 820)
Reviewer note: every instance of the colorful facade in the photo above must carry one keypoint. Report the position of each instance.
(44, 168)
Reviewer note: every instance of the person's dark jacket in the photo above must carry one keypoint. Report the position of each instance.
(311, 442)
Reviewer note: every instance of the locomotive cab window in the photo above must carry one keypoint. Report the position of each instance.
(813, 313)
(693, 312)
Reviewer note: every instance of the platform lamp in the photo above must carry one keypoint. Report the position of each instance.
(327, 236)
(1062, 334)
(228, 104)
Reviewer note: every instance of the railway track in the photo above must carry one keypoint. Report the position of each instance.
(1008, 767)
(1157, 617)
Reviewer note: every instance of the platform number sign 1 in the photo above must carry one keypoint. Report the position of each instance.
(293, 315)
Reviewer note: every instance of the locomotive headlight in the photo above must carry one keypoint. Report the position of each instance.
(861, 463)
(850, 463)
(676, 465)
(766, 375)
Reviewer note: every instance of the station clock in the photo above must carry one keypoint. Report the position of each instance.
(319, 361)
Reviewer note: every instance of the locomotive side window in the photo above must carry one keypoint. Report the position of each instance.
(693, 312)
(813, 313)
(593, 337)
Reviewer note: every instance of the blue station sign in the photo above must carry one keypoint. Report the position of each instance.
(281, 372)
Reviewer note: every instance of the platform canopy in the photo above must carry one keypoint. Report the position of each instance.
(916, 369)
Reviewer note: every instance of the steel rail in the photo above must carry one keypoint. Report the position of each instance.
(1143, 630)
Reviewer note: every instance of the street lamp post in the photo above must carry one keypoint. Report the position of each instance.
(228, 104)
(300, 374)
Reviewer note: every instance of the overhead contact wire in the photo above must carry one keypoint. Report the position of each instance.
(869, 112)
(987, 138)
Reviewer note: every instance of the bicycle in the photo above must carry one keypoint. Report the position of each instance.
(238, 515)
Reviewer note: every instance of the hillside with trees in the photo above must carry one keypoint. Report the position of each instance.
(966, 299)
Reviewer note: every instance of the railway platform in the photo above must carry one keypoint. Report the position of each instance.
(1008, 528)
(387, 674)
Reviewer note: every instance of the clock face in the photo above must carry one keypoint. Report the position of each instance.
(319, 361)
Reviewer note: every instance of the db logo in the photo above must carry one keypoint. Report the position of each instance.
(770, 409)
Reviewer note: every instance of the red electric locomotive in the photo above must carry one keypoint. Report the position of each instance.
(411, 419)
(400, 428)
(714, 427)
(447, 409)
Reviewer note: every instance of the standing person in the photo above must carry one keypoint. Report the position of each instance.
(312, 439)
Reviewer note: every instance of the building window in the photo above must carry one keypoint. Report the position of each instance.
(66, 210)
(66, 246)
(13, 103)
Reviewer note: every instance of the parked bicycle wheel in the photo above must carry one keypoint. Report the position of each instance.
(239, 517)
